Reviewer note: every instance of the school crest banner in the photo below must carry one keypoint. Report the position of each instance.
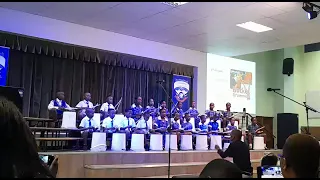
(4, 58)
(181, 91)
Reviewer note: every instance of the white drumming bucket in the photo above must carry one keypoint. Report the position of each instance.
(225, 145)
(156, 142)
(69, 120)
(258, 143)
(96, 118)
(98, 142)
(118, 141)
(193, 122)
(207, 121)
(137, 142)
(186, 142)
(215, 140)
(202, 142)
(173, 142)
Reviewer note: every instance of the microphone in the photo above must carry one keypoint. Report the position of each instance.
(271, 89)
(160, 81)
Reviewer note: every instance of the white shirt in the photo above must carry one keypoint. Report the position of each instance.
(106, 106)
(51, 104)
(106, 123)
(85, 123)
(125, 121)
(134, 105)
(83, 104)
(142, 124)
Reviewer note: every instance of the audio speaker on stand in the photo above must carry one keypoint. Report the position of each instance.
(287, 66)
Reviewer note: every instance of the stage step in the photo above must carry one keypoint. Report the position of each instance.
(141, 170)
(156, 170)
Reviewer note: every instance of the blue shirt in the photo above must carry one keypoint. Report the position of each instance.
(136, 110)
(193, 112)
(214, 114)
(161, 124)
(175, 125)
(214, 125)
(227, 114)
(230, 128)
(203, 127)
(180, 111)
(153, 111)
(187, 126)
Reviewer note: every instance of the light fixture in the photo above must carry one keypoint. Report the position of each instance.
(175, 4)
(309, 8)
(255, 27)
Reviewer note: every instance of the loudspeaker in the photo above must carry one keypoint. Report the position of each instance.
(287, 66)
(287, 124)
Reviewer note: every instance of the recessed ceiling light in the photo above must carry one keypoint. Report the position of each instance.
(175, 4)
(252, 26)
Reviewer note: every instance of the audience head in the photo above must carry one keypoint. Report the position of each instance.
(269, 160)
(193, 104)
(254, 120)
(112, 113)
(235, 135)
(151, 102)
(19, 156)
(109, 99)
(211, 105)
(139, 100)
(220, 168)
(300, 158)
(128, 113)
(89, 113)
(228, 106)
(60, 95)
(179, 105)
(87, 96)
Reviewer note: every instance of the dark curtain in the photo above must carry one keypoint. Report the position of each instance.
(42, 76)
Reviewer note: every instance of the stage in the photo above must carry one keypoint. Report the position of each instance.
(131, 164)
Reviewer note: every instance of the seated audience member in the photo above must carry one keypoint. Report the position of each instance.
(110, 125)
(300, 158)
(269, 160)
(19, 155)
(88, 126)
(255, 130)
(221, 168)
(127, 126)
(239, 151)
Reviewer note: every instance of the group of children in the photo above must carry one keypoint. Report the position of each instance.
(180, 124)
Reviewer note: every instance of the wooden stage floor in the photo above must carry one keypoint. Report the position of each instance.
(130, 164)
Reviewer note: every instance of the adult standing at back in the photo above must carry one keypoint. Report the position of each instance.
(300, 158)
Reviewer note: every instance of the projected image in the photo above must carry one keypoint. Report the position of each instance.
(240, 83)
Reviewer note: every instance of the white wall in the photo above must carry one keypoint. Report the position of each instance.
(46, 28)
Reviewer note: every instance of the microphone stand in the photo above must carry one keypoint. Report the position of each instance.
(170, 125)
(304, 105)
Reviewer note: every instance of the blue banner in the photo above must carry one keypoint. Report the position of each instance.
(181, 91)
(4, 63)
